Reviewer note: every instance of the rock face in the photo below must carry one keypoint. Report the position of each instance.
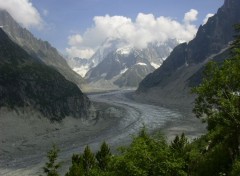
(133, 75)
(37, 48)
(123, 67)
(26, 81)
(108, 46)
(183, 67)
(82, 66)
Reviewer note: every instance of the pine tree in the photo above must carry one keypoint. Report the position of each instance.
(77, 166)
(179, 143)
(103, 156)
(77, 159)
(51, 166)
(88, 160)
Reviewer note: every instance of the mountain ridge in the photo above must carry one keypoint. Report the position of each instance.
(25, 81)
(119, 66)
(171, 82)
(37, 47)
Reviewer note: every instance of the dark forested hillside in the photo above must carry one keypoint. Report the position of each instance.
(26, 81)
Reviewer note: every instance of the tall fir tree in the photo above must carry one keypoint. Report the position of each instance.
(89, 160)
(103, 156)
(52, 166)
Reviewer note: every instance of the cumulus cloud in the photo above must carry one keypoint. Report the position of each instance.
(191, 16)
(207, 17)
(82, 53)
(75, 40)
(23, 12)
(144, 29)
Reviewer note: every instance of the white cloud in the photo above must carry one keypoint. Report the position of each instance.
(23, 12)
(75, 39)
(144, 29)
(207, 17)
(82, 53)
(191, 16)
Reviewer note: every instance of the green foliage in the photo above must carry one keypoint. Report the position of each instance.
(212, 162)
(89, 160)
(218, 100)
(236, 44)
(75, 170)
(82, 165)
(51, 166)
(236, 168)
(179, 144)
(218, 103)
(153, 156)
(77, 166)
(148, 156)
(103, 156)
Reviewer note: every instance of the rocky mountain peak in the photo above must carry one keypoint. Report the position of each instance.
(188, 59)
(36, 47)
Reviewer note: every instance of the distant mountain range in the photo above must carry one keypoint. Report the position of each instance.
(171, 83)
(117, 64)
(82, 65)
(37, 48)
(27, 82)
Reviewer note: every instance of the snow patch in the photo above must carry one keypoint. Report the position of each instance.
(170, 49)
(81, 70)
(104, 74)
(181, 41)
(141, 63)
(124, 70)
(155, 65)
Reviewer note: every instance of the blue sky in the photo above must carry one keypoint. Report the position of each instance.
(65, 18)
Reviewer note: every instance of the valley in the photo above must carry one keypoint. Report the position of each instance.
(113, 76)
(24, 153)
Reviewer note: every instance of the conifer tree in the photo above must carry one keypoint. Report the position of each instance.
(77, 166)
(103, 156)
(51, 166)
(179, 143)
(88, 160)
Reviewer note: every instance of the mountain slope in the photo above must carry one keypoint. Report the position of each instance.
(37, 47)
(26, 81)
(79, 65)
(173, 79)
(108, 46)
(126, 66)
(133, 75)
(120, 68)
